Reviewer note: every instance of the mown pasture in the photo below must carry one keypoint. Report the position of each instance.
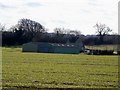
(45, 70)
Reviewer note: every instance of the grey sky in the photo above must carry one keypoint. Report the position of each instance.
(71, 14)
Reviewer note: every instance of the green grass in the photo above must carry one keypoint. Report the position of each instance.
(42, 70)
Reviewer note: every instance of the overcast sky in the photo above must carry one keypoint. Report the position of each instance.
(71, 14)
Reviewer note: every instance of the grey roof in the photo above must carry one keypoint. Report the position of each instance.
(62, 45)
(54, 44)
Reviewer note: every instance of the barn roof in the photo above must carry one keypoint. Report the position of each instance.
(67, 44)
(62, 45)
(55, 44)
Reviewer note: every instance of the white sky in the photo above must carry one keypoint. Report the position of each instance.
(71, 14)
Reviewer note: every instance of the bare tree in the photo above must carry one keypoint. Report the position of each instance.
(30, 25)
(102, 30)
(67, 31)
(2, 27)
(75, 32)
(27, 28)
(59, 31)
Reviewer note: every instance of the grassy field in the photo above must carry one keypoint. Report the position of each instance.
(42, 70)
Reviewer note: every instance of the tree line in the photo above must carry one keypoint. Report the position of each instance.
(27, 30)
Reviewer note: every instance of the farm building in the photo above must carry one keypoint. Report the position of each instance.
(68, 48)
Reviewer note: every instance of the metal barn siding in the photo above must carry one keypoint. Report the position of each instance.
(66, 50)
(30, 47)
(52, 48)
(44, 47)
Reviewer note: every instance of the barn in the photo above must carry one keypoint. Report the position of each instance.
(43, 47)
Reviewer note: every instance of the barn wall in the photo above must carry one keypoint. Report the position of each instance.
(51, 48)
(45, 47)
(30, 47)
(66, 50)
